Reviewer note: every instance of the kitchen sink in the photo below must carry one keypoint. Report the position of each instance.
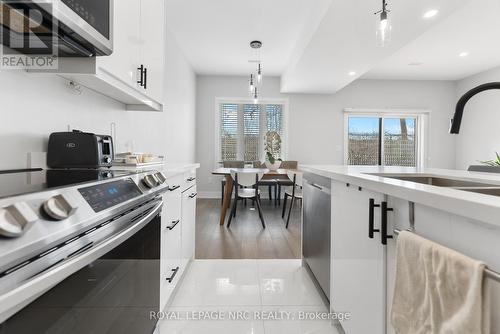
(441, 181)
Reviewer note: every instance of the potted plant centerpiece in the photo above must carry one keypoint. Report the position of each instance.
(272, 142)
(488, 166)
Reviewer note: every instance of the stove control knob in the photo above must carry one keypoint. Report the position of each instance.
(59, 207)
(150, 181)
(107, 160)
(16, 219)
(160, 177)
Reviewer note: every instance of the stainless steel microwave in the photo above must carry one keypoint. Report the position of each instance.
(81, 28)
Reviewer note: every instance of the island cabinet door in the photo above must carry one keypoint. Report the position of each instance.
(358, 259)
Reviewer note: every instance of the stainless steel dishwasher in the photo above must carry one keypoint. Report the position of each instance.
(316, 229)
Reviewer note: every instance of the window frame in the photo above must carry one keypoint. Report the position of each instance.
(422, 129)
(241, 101)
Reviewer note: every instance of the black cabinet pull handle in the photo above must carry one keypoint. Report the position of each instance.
(174, 224)
(174, 272)
(191, 179)
(141, 80)
(193, 195)
(371, 218)
(383, 224)
(174, 188)
(145, 78)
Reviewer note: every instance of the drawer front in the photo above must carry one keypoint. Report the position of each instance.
(189, 179)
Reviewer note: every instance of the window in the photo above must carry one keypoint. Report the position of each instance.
(243, 127)
(384, 139)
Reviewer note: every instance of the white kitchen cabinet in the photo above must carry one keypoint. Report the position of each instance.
(152, 31)
(171, 245)
(138, 39)
(188, 223)
(358, 283)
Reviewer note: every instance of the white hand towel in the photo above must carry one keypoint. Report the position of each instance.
(437, 290)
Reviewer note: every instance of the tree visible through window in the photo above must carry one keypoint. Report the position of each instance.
(243, 126)
(387, 141)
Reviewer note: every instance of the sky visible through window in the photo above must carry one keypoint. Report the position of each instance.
(367, 125)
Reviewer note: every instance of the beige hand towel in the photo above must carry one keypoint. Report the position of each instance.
(437, 290)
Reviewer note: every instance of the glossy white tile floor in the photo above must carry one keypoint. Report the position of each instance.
(249, 286)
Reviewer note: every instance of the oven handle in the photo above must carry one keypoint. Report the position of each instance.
(13, 300)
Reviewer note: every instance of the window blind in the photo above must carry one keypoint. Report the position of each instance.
(243, 127)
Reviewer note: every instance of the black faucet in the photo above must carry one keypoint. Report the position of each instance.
(459, 109)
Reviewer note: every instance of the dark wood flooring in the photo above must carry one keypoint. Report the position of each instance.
(246, 239)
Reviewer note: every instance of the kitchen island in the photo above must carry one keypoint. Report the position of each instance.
(457, 209)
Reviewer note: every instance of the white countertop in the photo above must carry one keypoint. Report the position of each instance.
(485, 208)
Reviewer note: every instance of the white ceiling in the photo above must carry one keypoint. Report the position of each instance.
(475, 29)
(215, 34)
(314, 44)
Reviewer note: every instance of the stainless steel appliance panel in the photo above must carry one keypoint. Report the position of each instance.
(317, 228)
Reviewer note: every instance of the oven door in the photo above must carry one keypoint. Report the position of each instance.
(115, 289)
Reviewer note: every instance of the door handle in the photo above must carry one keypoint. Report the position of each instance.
(174, 224)
(174, 272)
(141, 80)
(383, 226)
(371, 218)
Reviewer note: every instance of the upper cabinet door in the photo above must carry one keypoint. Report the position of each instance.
(126, 56)
(153, 26)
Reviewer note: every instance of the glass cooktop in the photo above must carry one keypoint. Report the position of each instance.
(13, 183)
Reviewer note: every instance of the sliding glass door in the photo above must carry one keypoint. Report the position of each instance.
(381, 140)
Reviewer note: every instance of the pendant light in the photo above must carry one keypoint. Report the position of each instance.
(255, 96)
(252, 85)
(384, 26)
(259, 74)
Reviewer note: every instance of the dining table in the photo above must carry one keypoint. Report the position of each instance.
(228, 191)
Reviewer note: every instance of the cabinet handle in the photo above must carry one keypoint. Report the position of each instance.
(141, 81)
(383, 226)
(316, 186)
(371, 217)
(191, 179)
(145, 78)
(174, 188)
(174, 272)
(193, 195)
(174, 224)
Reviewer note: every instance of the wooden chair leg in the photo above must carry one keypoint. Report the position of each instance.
(290, 211)
(284, 206)
(233, 210)
(260, 213)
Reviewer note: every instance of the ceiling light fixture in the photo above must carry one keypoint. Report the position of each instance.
(252, 84)
(430, 13)
(259, 74)
(384, 27)
(255, 96)
(463, 54)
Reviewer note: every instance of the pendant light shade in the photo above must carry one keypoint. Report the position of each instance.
(259, 74)
(384, 26)
(251, 86)
(255, 96)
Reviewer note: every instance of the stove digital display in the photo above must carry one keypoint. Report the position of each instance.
(103, 196)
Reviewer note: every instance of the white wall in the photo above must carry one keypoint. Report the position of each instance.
(34, 105)
(317, 119)
(479, 137)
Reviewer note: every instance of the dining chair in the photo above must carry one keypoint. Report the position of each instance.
(285, 182)
(246, 186)
(229, 164)
(272, 184)
(294, 192)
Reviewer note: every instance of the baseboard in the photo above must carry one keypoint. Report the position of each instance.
(217, 194)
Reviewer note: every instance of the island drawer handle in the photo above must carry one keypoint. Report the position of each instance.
(371, 218)
(174, 224)
(383, 223)
(174, 272)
